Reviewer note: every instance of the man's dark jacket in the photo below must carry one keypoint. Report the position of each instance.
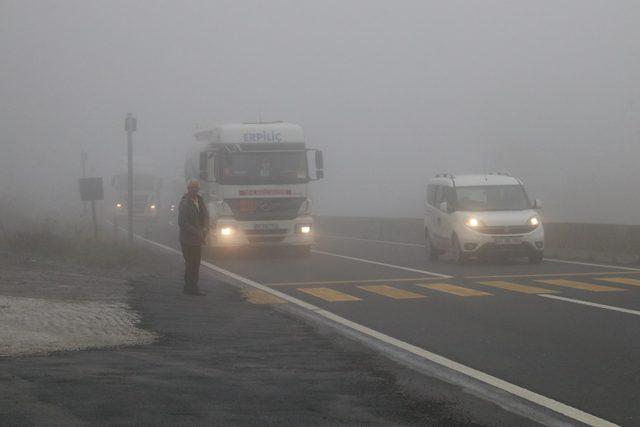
(193, 221)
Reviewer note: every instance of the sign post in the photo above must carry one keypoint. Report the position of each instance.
(91, 190)
(130, 125)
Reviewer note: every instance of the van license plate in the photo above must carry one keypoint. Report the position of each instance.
(265, 226)
(508, 240)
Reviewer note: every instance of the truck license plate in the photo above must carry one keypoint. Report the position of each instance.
(508, 240)
(265, 226)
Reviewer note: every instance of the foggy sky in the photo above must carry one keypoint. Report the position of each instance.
(392, 91)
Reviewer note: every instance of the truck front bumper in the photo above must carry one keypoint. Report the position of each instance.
(231, 233)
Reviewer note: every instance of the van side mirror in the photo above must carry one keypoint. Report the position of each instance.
(537, 204)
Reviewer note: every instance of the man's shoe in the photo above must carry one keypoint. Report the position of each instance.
(195, 292)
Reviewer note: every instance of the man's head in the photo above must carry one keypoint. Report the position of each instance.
(193, 187)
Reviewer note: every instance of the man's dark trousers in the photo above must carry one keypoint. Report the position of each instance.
(192, 255)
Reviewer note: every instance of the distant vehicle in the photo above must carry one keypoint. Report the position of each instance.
(172, 192)
(146, 192)
(481, 215)
(254, 178)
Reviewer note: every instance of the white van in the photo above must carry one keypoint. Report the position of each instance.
(481, 215)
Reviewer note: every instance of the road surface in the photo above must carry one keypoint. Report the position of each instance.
(567, 331)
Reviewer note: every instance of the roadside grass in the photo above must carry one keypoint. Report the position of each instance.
(72, 243)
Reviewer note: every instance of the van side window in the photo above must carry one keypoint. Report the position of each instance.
(431, 194)
(437, 197)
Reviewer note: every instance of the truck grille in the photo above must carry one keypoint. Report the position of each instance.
(263, 232)
(256, 209)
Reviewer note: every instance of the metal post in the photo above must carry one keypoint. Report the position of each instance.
(95, 221)
(130, 126)
(83, 156)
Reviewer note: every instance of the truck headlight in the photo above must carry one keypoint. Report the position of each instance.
(303, 229)
(472, 222)
(226, 231)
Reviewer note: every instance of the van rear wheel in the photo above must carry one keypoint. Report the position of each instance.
(536, 259)
(431, 252)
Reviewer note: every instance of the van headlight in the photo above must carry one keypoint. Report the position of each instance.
(533, 222)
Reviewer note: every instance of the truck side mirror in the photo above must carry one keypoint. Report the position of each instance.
(444, 207)
(204, 159)
(319, 165)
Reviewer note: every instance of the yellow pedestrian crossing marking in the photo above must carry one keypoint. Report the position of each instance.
(622, 280)
(517, 288)
(455, 290)
(329, 294)
(580, 285)
(391, 292)
(256, 296)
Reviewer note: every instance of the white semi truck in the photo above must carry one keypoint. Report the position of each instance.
(254, 178)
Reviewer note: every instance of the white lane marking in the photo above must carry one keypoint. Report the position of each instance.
(591, 264)
(399, 267)
(593, 304)
(388, 242)
(513, 389)
(421, 246)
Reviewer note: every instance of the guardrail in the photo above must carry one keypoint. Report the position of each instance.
(588, 242)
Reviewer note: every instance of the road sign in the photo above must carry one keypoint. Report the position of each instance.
(130, 124)
(91, 189)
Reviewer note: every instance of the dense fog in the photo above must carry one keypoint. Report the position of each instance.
(392, 92)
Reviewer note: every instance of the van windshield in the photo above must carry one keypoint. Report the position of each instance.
(492, 198)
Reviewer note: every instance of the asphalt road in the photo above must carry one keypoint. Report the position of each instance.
(534, 326)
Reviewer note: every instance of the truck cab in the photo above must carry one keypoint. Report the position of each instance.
(254, 178)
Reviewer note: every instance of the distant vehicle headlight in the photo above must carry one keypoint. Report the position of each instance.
(226, 231)
(472, 222)
(534, 221)
(172, 208)
(152, 206)
(119, 205)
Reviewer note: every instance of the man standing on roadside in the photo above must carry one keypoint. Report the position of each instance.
(193, 219)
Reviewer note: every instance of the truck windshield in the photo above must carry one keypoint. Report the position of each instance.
(264, 168)
(492, 198)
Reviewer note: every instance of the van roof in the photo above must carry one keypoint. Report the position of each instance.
(477, 180)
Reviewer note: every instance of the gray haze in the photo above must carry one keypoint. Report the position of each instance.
(392, 91)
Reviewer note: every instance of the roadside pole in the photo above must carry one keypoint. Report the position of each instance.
(83, 156)
(130, 125)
